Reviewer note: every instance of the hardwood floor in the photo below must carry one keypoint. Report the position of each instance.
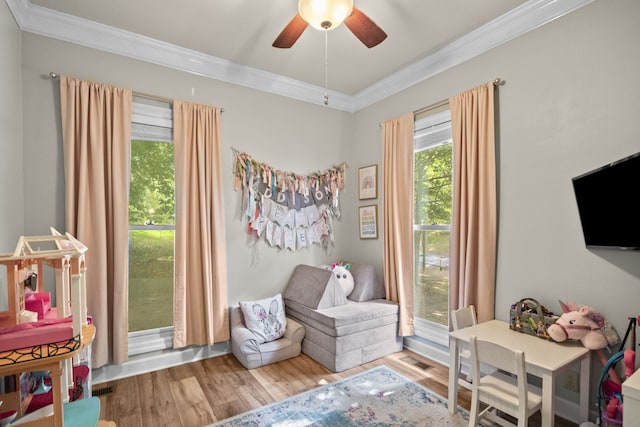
(199, 393)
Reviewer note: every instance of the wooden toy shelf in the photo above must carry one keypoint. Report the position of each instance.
(32, 359)
(35, 335)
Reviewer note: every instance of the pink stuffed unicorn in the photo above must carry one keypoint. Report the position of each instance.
(579, 325)
(587, 325)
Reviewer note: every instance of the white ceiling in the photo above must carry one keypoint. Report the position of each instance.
(240, 32)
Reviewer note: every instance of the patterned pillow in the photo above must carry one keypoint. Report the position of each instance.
(265, 318)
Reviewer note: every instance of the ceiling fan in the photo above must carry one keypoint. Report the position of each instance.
(327, 15)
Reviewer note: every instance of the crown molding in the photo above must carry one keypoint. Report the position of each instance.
(50, 23)
(521, 20)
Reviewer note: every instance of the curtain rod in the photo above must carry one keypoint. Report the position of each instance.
(431, 107)
(496, 82)
(139, 94)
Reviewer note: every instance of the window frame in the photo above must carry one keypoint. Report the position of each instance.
(430, 132)
(151, 123)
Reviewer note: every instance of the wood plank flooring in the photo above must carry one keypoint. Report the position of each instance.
(199, 393)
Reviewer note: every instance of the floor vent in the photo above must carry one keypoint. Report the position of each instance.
(102, 391)
(417, 363)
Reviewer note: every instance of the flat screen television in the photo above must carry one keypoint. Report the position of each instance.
(608, 201)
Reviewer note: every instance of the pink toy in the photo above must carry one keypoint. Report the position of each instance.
(579, 325)
(612, 407)
(629, 362)
(587, 325)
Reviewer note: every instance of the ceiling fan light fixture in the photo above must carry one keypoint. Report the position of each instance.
(325, 14)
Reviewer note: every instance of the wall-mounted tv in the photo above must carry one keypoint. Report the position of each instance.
(608, 203)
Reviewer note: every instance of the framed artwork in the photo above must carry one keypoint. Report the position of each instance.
(368, 221)
(368, 182)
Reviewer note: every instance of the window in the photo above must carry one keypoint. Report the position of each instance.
(151, 229)
(433, 168)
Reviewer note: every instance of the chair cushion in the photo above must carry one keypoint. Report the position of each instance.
(265, 318)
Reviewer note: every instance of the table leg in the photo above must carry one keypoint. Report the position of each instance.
(548, 390)
(454, 369)
(585, 372)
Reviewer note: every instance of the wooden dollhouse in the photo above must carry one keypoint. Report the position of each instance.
(38, 336)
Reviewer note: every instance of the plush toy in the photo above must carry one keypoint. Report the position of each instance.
(590, 327)
(581, 324)
(344, 276)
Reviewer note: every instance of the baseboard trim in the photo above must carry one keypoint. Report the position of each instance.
(427, 349)
(149, 362)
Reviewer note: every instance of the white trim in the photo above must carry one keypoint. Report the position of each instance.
(423, 125)
(432, 131)
(151, 133)
(152, 115)
(150, 362)
(512, 24)
(432, 331)
(428, 349)
(151, 123)
(141, 342)
(47, 22)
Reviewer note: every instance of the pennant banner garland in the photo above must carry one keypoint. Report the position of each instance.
(291, 211)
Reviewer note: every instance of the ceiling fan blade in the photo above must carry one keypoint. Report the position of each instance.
(364, 28)
(291, 32)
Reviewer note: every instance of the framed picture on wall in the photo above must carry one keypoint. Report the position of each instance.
(368, 182)
(368, 221)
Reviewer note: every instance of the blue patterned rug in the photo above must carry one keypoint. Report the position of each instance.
(377, 397)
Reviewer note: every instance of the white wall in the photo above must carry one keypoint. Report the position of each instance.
(11, 190)
(570, 104)
(287, 134)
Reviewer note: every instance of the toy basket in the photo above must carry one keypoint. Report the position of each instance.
(607, 390)
(530, 317)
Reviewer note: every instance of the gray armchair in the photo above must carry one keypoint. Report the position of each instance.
(246, 349)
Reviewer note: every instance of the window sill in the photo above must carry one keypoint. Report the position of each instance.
(153, 361)
(151, 340)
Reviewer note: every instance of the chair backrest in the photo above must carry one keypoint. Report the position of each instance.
(502, 358)
(464, 317)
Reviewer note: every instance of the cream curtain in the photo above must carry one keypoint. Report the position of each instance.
(96, 132)
(474, 224)
(200, 289)
(397, 199)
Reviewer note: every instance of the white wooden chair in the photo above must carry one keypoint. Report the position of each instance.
(462, 318)
(501, 391)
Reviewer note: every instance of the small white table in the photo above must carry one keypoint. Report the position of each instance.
(545, 359)
(631, 393)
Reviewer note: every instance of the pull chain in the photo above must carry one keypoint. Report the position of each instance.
(326, 66)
